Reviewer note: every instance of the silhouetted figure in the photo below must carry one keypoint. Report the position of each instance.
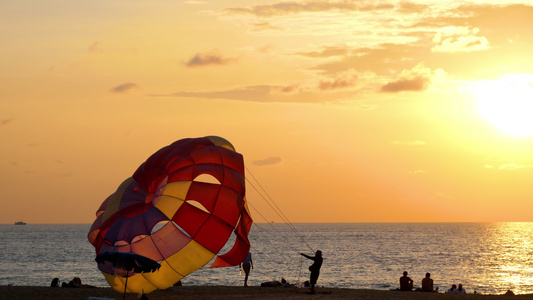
(460, 289)
(273, 283)
(406, 283)
(314, 268)
(77, 281)
(55, 282)
(452, 290)
(246, 265)
(427, 284)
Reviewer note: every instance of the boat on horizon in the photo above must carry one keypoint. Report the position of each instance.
(20, 223)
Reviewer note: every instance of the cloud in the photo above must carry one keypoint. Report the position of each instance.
(267, 161)
(416, 172)
(337, 83)
(291, 7)
(328, 51)
(124, 88)
(210, 58)
(4, 122)
(261, 26)
(379, 60)
(459, 39)
(94, 47)
(349, 79)
(415, 84)
(410, 7)
(268, 93)
(416, 79)
(412, 143)
(256, 93)
(511, 166)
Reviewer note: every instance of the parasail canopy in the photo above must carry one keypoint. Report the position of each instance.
(168, 213)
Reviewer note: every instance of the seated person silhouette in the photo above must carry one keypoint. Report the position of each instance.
(427, 284)
(406, 283)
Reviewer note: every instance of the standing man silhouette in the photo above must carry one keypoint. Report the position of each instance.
(314, 268)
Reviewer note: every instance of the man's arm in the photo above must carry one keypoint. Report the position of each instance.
(307, 256)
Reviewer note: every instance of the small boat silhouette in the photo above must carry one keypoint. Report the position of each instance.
(20, 223)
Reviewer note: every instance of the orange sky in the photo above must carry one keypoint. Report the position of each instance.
(345, 111)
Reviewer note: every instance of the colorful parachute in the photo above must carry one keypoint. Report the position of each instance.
(166, 213)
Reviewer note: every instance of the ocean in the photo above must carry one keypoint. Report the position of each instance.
(489, 258)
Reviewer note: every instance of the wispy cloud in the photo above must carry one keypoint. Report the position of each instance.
(256, 93)
(510, 166)
(4, 122)
(328, 51)
(292, 7)
(416, 79)
(267, 161)
(410, 7)
(210, 58)
(94, 47)
(459, 39)
(349, 80)
(124, 88)
(380, 59)
(268, 93)
(343, 80)
(261, 26)
(417, 172)
(413, 84)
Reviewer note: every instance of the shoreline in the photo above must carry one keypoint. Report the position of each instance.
(229, 292)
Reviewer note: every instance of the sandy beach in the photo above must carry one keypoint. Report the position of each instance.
(222, 292)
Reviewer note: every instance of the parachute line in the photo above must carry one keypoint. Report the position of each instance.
(274, 207)
(277, 237)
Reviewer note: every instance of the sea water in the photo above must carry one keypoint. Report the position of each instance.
(490, 258)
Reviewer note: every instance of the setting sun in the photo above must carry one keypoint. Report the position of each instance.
(345, 110)
(506, 104)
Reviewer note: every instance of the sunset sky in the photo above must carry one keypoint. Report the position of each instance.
(344, 111)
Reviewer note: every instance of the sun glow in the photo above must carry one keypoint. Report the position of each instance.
(506, 104)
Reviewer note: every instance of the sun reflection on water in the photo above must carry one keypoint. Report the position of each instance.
(506, 255)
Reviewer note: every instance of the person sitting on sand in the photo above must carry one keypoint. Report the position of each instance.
(406, 283)
(314, 268)
(77, 281)
(71, 285)
(427, 284)
(452, 290)
(460, 289)
(55, 282)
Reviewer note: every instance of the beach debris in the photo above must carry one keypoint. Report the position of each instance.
(179, 209)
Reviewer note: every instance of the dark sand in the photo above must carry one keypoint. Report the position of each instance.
(228, 293)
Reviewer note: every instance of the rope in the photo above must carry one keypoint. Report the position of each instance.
(275, 207)
(270, 201)
(276, 237)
